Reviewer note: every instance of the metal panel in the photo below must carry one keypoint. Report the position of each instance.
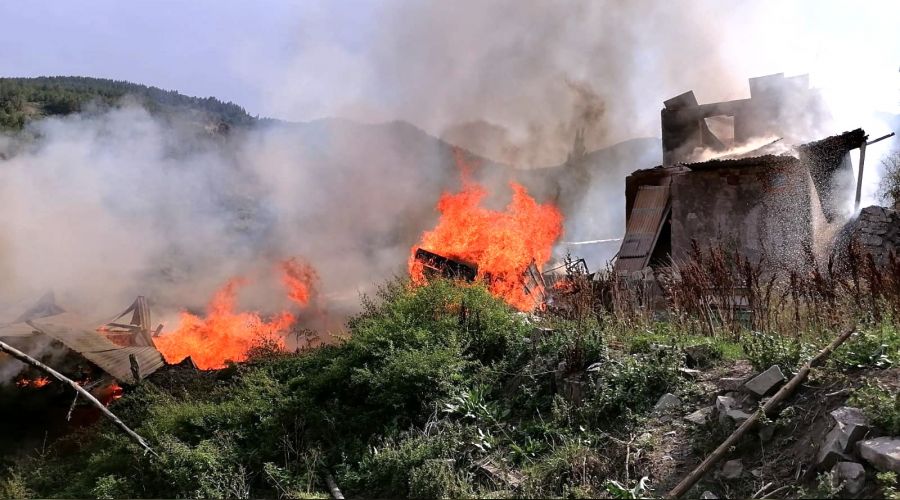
(17, 330)
(642, 229)
(111, 358)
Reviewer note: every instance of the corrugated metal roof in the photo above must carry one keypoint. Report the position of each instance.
(17, 330)
(78, 335)
(642, 229)
(770, 161)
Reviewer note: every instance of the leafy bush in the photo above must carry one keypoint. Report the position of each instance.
(764, 350)
(386, 470)
(14, 486)
(880, 404)
(435, 479)
(877, 347)
(111, 486)
(630, 385)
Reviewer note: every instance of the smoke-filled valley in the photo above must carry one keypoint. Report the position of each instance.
(117, 203)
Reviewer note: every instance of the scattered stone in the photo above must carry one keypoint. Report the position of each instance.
(736, 417)
(766, 382)
(708, 495)
(850, 425)
(851, 474)
(667, 402)
(731, 383)
(883, 453)
(725, 403)
(732, 469)
(729, 412)
(690, 373)
(701, 416)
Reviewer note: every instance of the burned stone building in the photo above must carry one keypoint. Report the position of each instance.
(736, 175)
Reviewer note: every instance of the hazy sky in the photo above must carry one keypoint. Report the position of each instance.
(439, 63)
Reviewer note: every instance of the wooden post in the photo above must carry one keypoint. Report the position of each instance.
(333, 487)
(788, 389)
(21, 356)
(859, 179)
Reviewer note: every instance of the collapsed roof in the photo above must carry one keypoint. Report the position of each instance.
(125, 351)
(745, 197)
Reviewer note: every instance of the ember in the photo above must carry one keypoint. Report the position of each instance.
(36, 383)
(501, 245)
(111, 393)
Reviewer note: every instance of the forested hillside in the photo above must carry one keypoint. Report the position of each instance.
(24, 99)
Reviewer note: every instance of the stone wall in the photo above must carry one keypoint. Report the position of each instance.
(758, 206)
(877, 230)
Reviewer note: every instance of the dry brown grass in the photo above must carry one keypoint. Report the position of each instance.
(720, 292)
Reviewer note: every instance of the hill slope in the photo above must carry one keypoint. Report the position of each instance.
(24, 99)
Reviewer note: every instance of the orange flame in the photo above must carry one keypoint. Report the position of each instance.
(502, 244)
(111, 393)
(225, 334)
(299, 277)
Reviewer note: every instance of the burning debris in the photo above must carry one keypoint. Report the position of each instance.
(497, 246)
(83, 351)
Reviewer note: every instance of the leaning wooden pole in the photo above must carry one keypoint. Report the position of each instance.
(785, 392)
(21, 356)
(333, 487)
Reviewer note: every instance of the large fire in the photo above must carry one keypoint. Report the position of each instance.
(501, 243)
(225, 334)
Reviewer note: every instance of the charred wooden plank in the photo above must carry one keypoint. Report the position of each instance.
(438, 265)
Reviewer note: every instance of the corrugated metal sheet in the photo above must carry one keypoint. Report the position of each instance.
(17, 330)
(78, 335)
(642, 229)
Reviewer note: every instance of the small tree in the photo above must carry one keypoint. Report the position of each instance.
(890, 182)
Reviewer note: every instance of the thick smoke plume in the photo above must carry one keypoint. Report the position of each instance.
(104, 206)
(513, 80)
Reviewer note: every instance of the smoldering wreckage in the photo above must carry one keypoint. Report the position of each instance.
(733, 174)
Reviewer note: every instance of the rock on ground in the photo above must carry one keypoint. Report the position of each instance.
(766, 382)
(851, 474)
(883, 453)
(733, 469)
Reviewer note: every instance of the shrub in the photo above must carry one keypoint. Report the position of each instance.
(877, 347)
(630, 385)
(386, 470)
(764, 350)
(111, 486)
(880, 404)
(14, 486)
(435, 479)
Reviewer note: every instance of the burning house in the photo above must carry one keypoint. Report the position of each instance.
(729, 178)
(117, 350)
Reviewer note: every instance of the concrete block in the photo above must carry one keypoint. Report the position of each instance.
(701, 416)
(883, 453)
(766, 382)
(667, 402)
(851, 474)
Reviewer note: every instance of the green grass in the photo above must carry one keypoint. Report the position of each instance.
(432, 382)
